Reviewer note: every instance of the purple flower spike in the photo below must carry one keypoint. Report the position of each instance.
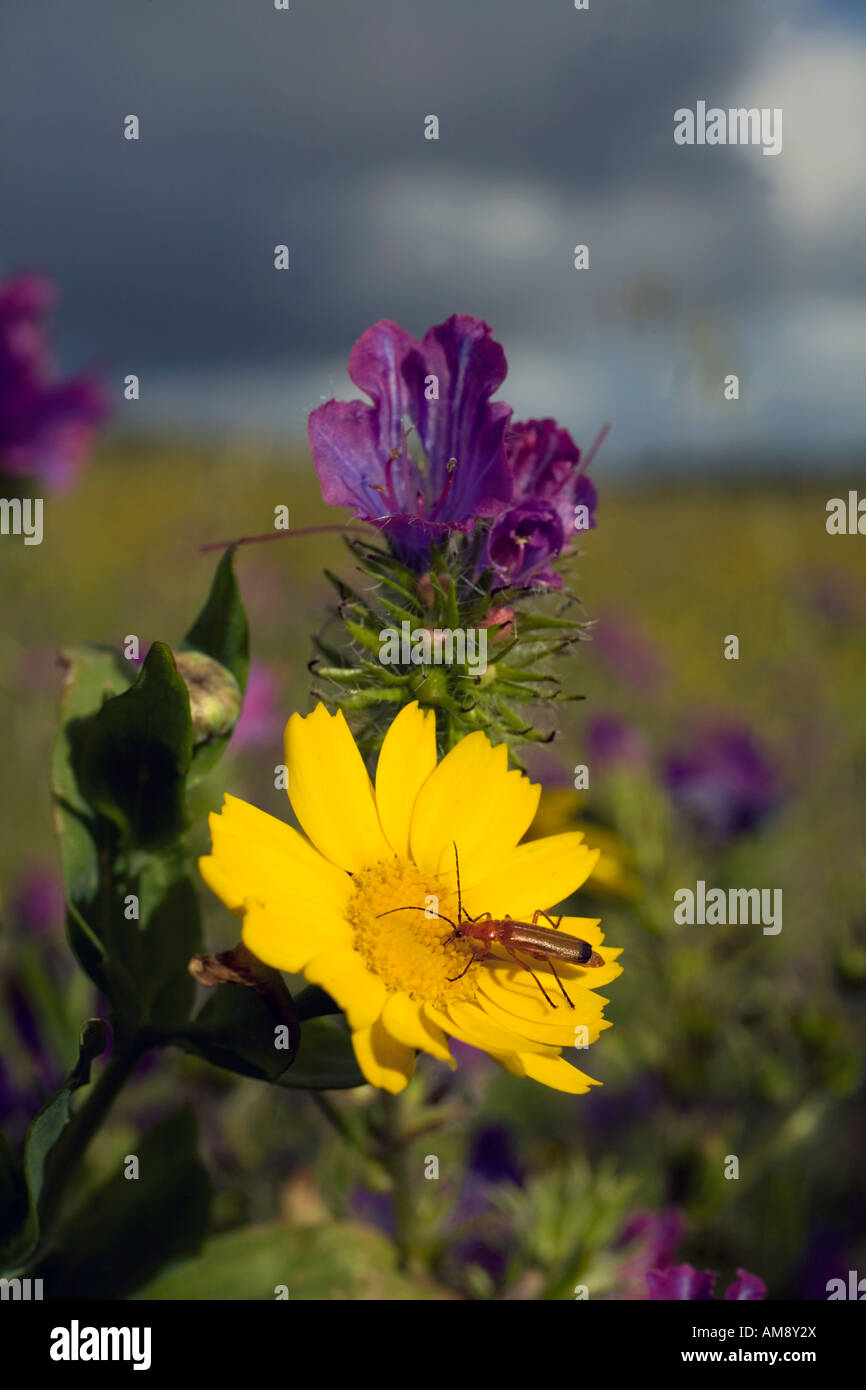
(456, 469)
(522, 544)
(746, 1286)
(46, 426)
(679, 1282)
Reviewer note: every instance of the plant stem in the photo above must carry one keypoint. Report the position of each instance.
(335, 1117)
(395, 1157)
(88, 1119)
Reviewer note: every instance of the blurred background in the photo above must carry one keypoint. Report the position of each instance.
(306, 127)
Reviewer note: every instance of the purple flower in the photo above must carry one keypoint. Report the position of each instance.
(684, 1282)
(39, 902)
(523, 542)
(46, 425)
(261, 722)
(610, 740)
(547, 487)
(746, 1286)
(626, 654)
(457, 471)
(679, 1282)
(492, 1156)
(544, 461)
(724, 783)
(653, 1238)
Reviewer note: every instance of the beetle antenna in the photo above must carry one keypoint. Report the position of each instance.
(459, 895)
(414, 908)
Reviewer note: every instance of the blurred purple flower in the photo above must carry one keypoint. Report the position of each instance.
(46, 426)
(626, 654)
(361, 451)
(724, 784)
(492, 1157)
(262, 720)
(653, 1238)
(746, 1286)
(610, 740)
(38, 901)
(679, 1282)
(831, 595)
(684, 1282)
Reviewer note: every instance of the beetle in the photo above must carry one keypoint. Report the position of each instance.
(541, 943)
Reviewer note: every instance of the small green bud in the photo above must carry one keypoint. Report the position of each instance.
(430, 686)
(214, 696)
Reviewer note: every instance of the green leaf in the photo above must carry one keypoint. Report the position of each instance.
(129, 1229)
(135, 754)
(325, 1060)
(338, 1261)
(221, 630)
(42, 1138)
(234, 1030)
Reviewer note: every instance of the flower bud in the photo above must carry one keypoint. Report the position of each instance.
(214, 696)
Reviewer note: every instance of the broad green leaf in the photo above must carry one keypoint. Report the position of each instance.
(221, 630)
(340, 1261)
(132, 916)
(235, 1029)
(325, 1060)
(130, 1228)
(135, 754)
(42, 1138)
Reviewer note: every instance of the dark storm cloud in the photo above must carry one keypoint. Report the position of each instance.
(305, 127)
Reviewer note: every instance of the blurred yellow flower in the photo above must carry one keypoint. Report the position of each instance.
(314, 905)
(613, 874)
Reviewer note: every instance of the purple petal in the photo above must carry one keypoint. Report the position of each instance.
(544, 461)
(46, 426)
(462, 424)
(746, 1286)
(523, 542)
(343, 440)
(680, 1282)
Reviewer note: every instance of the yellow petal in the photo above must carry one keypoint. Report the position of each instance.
(473, 801)
(404, 1018)
(384, 1061)
(286, 942)
(557, 1030)
(242, 819)
(471, 1024)
(406, 759)
(550, 1071)
(359, 993)
(537, 874)
(330, 792)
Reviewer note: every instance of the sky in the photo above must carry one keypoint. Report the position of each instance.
(306, 127)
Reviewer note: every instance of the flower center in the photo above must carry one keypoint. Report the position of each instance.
(409, 948)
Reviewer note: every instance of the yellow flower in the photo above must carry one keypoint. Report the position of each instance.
(315, 905)
(614, 873)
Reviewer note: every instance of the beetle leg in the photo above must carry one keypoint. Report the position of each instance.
(559, 982)
(476, 955)
(515, 957)
(540, 913)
